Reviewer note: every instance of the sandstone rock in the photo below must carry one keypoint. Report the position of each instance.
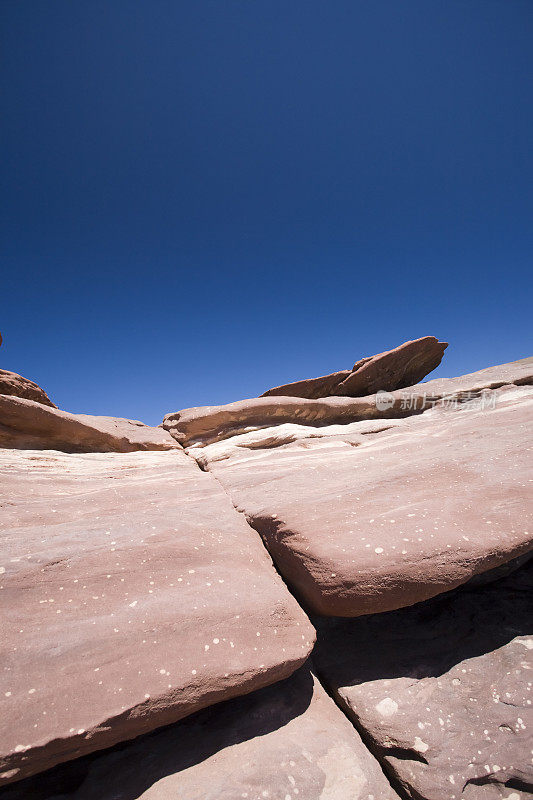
(13, 384)
(25, 424)
(395, 369)
(310, 388)
(207, 424)
(404, 366)
(133, 594)
(289, 740)
(376, 519)
(442, 691)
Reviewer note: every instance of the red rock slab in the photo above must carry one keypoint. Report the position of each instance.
(206, 424)
(311, 388)
(287, 741)
(442, 691)
(132, 594)
(13, 384)
(403, 366)
(25, 424)
(358, 527)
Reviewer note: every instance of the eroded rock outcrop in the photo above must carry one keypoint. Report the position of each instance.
(25, 424)
(394, 369)
(370, 520)
(442, 691)
(289, 740)
(133, 594)
(206, 424)
(137, 596)
(17, 386)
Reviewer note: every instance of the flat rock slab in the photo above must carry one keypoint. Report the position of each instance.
(25, 424)
(206, 424)
(374, 522)
(393, 369)
(287, 741)
(442, 691)
(132, 594)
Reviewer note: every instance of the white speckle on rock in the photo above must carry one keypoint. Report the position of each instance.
(419, 745)
(387, 707)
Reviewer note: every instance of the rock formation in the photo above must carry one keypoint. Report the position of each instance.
(133, 582)
(441, 691)
(32, 426)
(141, 577)
(17, 386)
(395, 369)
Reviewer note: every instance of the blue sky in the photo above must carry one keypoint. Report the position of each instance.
(202, 200)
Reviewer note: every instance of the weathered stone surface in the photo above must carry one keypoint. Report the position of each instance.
(442, 691)
(395, 369)
(310, 388)
(376, 519)
(404, 366)
(289, 740)
(206, 424)
(132, 594)
(25, 424)
(13, 384)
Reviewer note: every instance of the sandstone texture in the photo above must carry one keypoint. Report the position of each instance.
(25, 424)
(133, 594)
(155, 585)
(289, 740)
(377, 518)
(404, 366)
(442, 691)
(206, 424)
(13, 384)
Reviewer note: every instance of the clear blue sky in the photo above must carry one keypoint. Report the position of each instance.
(204, 199)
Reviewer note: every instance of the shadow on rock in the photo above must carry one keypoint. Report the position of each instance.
(126, 771)
(429, 638)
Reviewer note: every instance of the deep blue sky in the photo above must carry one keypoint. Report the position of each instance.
(204, 199)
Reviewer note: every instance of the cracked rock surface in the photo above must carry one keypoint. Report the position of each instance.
(133, 594)
(442, 692)
(289, 740)
(139, 604)
(376, 518)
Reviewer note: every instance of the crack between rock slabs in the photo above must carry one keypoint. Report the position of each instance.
(252, 527)
(386, 769)
(396, 785)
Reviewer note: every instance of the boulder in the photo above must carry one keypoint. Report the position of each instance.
(206, 424)
(287, 741)
(13, 384)
(441, 692)
(381, 517)
(404, 366)
(133, 594)
(25, 424)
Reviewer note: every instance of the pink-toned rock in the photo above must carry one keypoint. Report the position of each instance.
(442, 691)
(133, 594)
(368, 521)
(310, 388)
(13, 384)
(25, 424)
(395, 369)
(206, 424)
(289, 740)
